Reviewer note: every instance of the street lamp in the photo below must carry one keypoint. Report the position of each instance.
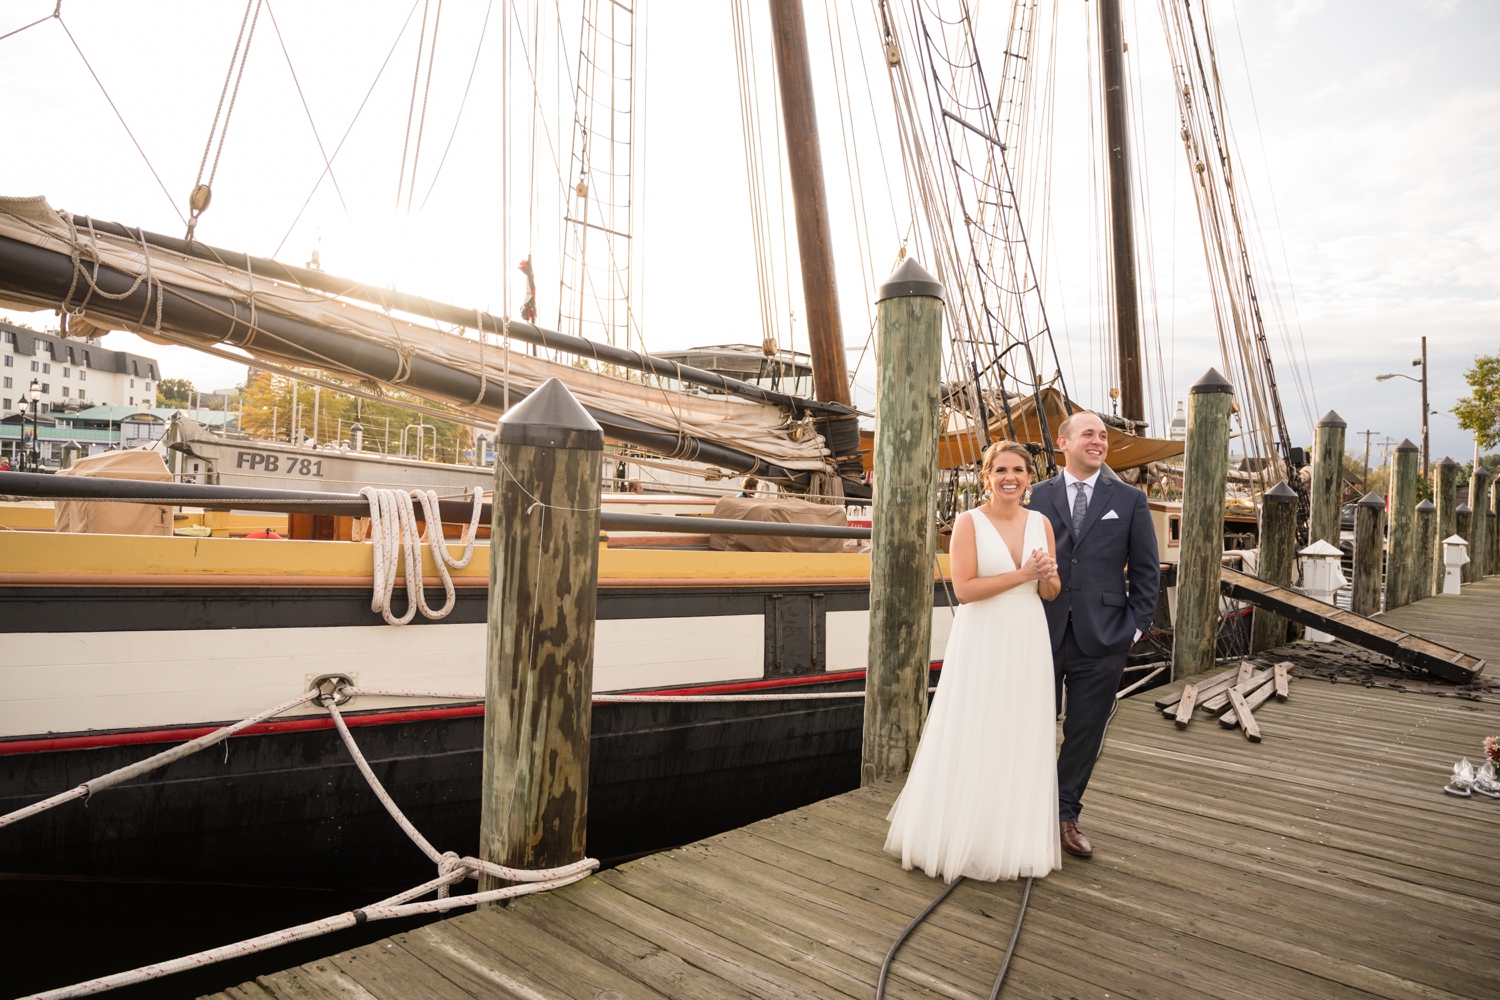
(1417, 363)
(35, 392)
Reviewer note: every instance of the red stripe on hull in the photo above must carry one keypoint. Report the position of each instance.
(376, 718)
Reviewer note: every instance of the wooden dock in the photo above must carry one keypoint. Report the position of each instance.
(1469, 621)
(1325, 862)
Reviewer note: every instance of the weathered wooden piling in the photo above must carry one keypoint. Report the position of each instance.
(908, 352)
(1426, 554)
(1205, 466)
(544, 569)
(1278, 557)
(1401, 555)
(1445, 495)
(1494, 532)
(1463, 527)
(1369, 554)
(1479, 502)
(1327, 480)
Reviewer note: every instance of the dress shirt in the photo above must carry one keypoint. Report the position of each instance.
(1071, 484)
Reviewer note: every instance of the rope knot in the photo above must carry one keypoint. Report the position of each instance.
(450, 863)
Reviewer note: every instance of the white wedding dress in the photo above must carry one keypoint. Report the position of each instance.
(981, 799)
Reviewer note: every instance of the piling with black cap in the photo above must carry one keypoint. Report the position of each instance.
(1369, 554)
(1401, 554)
(1327, 480)
(1278, 557)
(539, 658)
(1425, 553)
(908, 360)
(1479, 545)
(1205, 468)
(1445, 495)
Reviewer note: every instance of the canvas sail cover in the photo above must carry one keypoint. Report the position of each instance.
(116, 518)
(766, 431)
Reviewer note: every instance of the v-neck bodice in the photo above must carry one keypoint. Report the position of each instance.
(994, 556)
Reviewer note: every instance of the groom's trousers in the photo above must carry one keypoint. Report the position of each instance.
(1091, 683)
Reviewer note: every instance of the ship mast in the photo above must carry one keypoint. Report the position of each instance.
(820, 292)
(1121, 222)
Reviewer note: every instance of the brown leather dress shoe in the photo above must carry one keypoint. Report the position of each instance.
(1074, 842)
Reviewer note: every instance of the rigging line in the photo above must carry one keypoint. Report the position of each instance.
(223, 92)
(56, 12)
(411, 108)
(360, 110)
(234, 95)
(411, 188)
(1311, 388)
(121, 117)
(856, 181)
(477, 49)
(327, 165)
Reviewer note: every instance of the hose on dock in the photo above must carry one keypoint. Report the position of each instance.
(1010, 950)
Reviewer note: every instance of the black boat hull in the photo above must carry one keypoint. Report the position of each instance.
(290, 808)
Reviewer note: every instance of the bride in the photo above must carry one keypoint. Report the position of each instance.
(981, 799)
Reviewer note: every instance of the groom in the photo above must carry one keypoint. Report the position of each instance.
(1106, 557)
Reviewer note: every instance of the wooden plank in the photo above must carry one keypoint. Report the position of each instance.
(1219, 702)
(496, 946)
(1246, 669)
(1186, 705)
(1212, 685)
(1283, 681)
(1246, 720)
(1412, 650)
(1253, 700)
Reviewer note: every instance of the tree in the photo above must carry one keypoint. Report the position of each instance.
(1480, 411)
(176, 392)
(268, 414)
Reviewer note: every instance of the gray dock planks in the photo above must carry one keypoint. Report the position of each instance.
(1469, 621)
(1324, 862)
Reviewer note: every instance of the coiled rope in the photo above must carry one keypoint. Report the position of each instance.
(394, 534)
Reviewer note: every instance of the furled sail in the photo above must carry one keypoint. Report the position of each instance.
(162, 285)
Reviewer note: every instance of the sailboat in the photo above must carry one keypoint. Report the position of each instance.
(123, 644)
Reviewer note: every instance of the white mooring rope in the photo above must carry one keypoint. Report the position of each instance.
(393, 532)
(162, 759)
(451, 867)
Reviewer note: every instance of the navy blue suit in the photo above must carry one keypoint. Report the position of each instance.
(1110, 578)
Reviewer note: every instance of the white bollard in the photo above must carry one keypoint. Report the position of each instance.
(1321, 578)
(1455, 557)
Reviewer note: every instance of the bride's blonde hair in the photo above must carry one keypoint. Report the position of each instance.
(987, 462)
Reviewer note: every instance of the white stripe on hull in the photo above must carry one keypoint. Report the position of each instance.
(80, 681)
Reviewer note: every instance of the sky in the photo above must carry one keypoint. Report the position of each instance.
(1366, 137)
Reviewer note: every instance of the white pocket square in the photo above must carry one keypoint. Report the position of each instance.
(1110, 516)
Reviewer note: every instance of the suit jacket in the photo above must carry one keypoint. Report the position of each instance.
(1109, 568)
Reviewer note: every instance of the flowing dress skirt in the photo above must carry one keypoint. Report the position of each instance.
(981, 798)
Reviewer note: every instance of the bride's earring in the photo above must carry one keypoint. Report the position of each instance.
(1026, 497)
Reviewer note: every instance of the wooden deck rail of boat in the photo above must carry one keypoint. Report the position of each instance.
(40, 486)
(1325, 862)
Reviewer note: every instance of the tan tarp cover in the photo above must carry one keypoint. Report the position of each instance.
(117, 518)
(766, 431)
(1125, 451)
(781, 512)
